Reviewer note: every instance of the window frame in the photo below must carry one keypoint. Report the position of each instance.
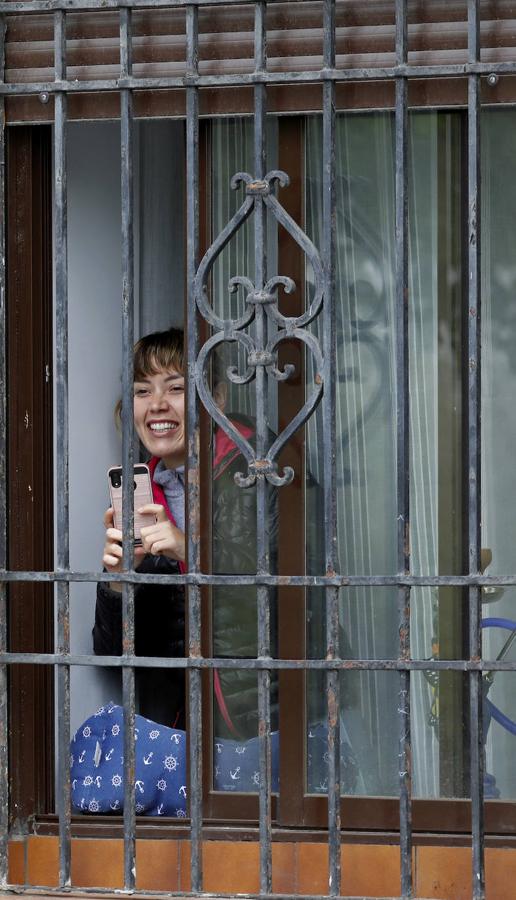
(473, 581)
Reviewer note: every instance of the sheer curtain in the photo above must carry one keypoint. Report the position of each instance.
(366, 419)
(499, 421)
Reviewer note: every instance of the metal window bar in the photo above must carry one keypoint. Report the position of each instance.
(128, 681)
(262, 486)
(4, 712)
(329, 433)
(62, 659)
(402, 443)
(193, 492)
(474, 454)
(62, 465)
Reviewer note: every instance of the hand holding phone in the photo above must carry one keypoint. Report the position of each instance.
(142, 497)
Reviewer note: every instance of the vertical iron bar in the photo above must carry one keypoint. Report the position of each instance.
(62, 464)
(262, 486)
(474, 453)
(403, 445)
(193, 487)
(4, 720)
(329, 437)
(126, 145)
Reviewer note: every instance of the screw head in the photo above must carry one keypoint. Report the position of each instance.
(492, 79)
(44, 97)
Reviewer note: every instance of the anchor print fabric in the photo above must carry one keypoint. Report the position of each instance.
(97, 765)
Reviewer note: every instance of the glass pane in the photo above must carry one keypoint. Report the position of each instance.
(367, 425)
(499, 435)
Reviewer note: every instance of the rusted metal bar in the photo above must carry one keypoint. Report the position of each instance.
(128, 681)
(193, 495)
(329, 450)
(403, 446)
(262, 485)
(317, 76)
(343, 581)
(342, 665)
(474, 455)
(62, 463)
(4, 711)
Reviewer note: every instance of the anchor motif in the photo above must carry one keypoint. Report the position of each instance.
(110, 754)
(236, 774)
(139, 785)
(182, 791)
(147, 760)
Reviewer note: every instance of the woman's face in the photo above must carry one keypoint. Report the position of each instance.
(159, 415)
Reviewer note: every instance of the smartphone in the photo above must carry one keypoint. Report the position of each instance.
(142, 496)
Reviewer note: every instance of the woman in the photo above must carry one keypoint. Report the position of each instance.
(159, 419)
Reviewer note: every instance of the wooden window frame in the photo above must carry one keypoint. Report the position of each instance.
(29, 299)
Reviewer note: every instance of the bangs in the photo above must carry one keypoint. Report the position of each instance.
(158, 351)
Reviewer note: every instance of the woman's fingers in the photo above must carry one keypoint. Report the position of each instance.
(154, 509)
(164, 538)
(108, 518)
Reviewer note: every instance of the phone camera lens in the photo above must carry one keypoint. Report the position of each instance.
(117, 481)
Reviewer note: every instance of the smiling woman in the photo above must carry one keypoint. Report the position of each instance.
(159, 609)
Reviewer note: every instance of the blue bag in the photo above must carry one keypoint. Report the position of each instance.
(97, 765)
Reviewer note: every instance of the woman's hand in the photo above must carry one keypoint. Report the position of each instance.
(162, 538)
(112, 555)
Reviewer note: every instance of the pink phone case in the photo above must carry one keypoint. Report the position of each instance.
(142, 496)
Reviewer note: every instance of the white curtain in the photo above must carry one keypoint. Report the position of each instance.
(499, 417)
(366, 418)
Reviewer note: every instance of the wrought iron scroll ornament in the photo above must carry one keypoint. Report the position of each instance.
(279, 327)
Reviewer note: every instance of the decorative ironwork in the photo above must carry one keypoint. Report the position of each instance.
(261, 351)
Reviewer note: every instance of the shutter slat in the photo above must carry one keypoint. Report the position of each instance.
(364, 38)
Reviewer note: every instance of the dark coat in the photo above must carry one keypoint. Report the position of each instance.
(160, 610)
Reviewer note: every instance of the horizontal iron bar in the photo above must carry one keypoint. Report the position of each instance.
(198, 662)
(271, 580)
(251, 78)
(42, 6)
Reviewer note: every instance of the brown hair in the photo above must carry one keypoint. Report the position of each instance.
(154, 352)
(157, 351)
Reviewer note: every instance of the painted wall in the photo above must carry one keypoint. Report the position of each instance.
(95, 348)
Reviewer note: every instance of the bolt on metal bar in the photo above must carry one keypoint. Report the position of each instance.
(474, 454)
(62, 464)
(403, 444)
(193, 489)
(329, 450)
(4, 711)
(128, 683)
(262, 486)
